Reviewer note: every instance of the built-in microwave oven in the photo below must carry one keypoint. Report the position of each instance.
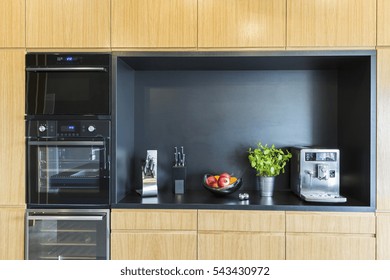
(59, 84)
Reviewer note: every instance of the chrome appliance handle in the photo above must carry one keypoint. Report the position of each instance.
(66, 143)
(62, 69)
(67, 218)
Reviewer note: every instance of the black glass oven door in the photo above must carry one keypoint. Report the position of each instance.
(68, 172)
(67, 91)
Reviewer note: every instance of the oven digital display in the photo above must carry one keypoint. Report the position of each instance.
(68, 128)
(321, 156)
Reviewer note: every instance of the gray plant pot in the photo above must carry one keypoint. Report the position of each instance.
(266, 185)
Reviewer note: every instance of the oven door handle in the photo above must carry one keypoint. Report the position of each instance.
(65, 218)
(66, 69)
(66, 143)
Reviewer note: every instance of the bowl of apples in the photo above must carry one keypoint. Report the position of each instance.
(221, 184)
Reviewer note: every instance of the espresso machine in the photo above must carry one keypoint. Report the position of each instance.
(315, 174)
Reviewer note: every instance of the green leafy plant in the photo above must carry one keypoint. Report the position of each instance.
(268, 161)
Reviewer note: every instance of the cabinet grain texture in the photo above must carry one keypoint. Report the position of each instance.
(12, 144)
(242, 24)
(330, 236)
(12, 23)
(145, 219)
(153, 234)
(250, 221)
(11, 233)
(224, 234)
(383, 131)
(383, 236)
(325, 222)
(383, 23)
(329, 247)
(153, 245)
(154, 23)
(331, 23)
(68, 23)
(241, 246)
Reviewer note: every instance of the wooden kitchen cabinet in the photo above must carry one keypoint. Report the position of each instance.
(383, 132)
(325, 236)
(154, 23)
(242, 23)
(11, 233)
(12, 145)
(331, 23)
(68, 23)
(12, 23)
(227, 234)
(383, 236)
(383, 30)
(153, 234)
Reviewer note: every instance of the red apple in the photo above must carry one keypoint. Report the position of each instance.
(225, 175)
(212, 181)
(223, 181)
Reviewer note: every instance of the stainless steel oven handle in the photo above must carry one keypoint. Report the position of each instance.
(61, 69)
(66, 218)
(66, 143)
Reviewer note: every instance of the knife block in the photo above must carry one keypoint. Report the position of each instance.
(179, 174)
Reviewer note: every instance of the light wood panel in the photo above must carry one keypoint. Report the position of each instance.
(383, 236)
(241, 23)
(12, 23)
(325, 222)
(127, 219)
(153, 245)
(225, 220)
(241, 246)
(12, 233)
(383, 30)
(68, 23)
(154, 23)
(12, 145)
(331, 23)
(329, 247)
(383, 129)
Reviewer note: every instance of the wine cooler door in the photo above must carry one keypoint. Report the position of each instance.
(67, 234)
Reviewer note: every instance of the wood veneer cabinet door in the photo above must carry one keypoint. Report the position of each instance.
(153, 245)
(154, 23)
(383, 14)
(242, 23)
(12, 233)
(330, 236)
(329, 247)
(241, 246)
(146, 219)
(12, 23)
(158, 234)
(383, 236)
(234, 234)
(331, 23)
(383, 131)
(12, 144)
(68, 23)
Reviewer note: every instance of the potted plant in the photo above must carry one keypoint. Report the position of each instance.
(268, 163)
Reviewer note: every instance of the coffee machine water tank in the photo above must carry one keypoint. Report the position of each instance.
(315, 174)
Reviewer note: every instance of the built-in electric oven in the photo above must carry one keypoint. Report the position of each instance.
(68, 163)
(67, 234)
(59, 84)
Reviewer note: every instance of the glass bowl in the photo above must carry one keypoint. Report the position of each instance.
(224, 190)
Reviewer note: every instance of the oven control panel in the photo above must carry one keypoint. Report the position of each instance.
(68, 129)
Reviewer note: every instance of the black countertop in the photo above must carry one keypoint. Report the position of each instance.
(202, 199)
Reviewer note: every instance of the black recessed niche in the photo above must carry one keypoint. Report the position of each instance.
(218, 104)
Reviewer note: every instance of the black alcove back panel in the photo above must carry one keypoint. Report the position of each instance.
(218, 115)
